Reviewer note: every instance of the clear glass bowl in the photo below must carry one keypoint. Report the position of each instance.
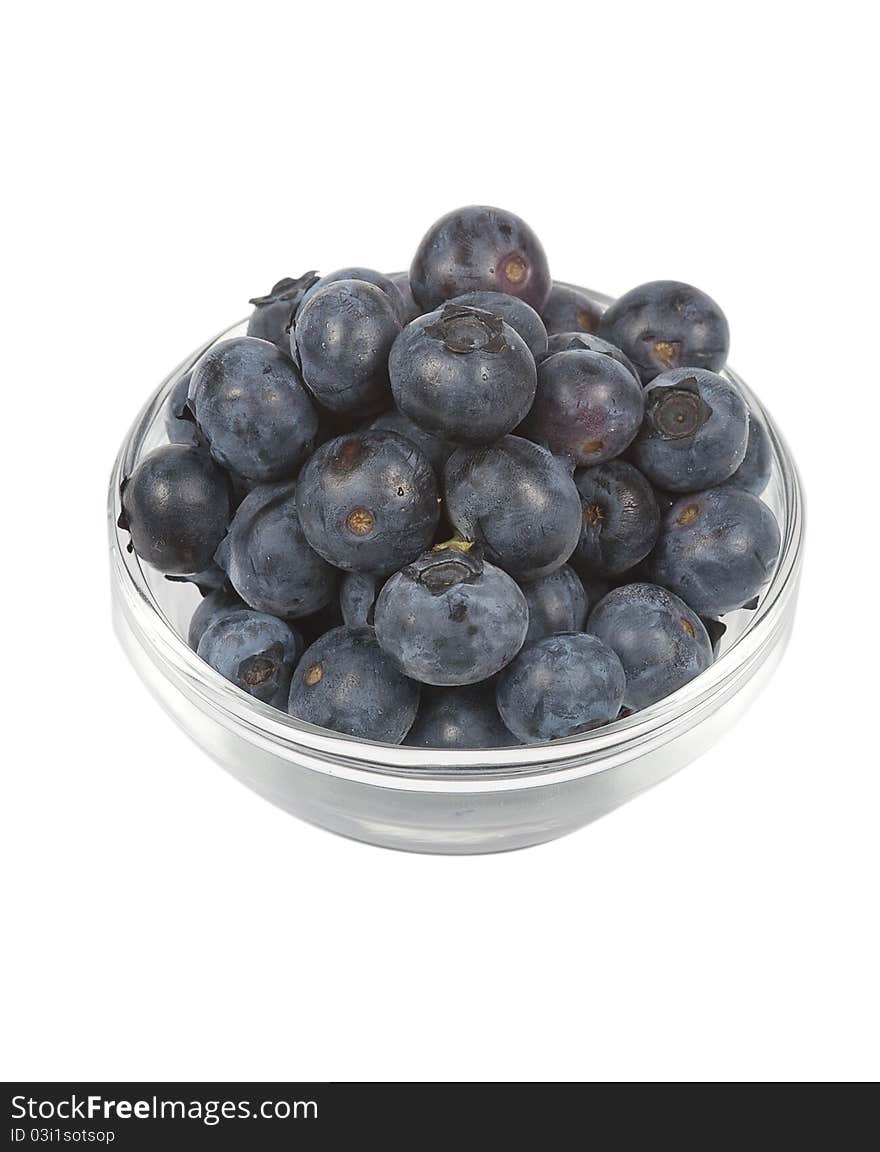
(436, 800)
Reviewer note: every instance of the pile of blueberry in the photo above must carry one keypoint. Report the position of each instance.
(462, 507)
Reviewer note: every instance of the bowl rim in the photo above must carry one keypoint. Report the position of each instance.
(411, 768)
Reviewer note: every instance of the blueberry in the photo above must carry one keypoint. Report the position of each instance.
(666, 324)
(560, 686)
(478, 249)
(368, 276)
(368, 502)
(620, 519)
(341, 340)
(557, 603)
(252, 409)
(180, 427)
(223, 601)
(256, 652)
(400, 280)
(754, 473)
(175, 505)
(345, 682)
(572, 341)
(274, 312)
(465, 717)
(587, 406)
(568, 309)
(516, 500)
(695, 430)
(267, 559)
(462, 374)
(521, 317)
(449, 618)
(434, 447)
(357, 597)
(661, 643)
(717, 549)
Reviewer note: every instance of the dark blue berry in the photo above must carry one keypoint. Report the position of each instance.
(223, 601)
(357, 597)
(695, 430)
(462, 374)
(620, 519)
(254, 651)
(273, 313)
(478, 249)
(267, 558)
(570, 309)
(369, 276)
(557, 603)
(250, 405)
(341, 340)
(587, 406)
(521, 317)
(754, 473)
(368, 502)
(560, 686)
(717, 549)
(400, 280)
(516, 500)
(449, 618)
(465, 717)
(661, 642)
(666, 324)
(572, 341)
(175, 505)
(434, 447)
(345, 682)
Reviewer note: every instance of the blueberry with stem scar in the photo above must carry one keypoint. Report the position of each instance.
(478, 249)
(695, 431)
(662, 644)
(462, 374)
(666, 324)
(449, 618)
(717, 549)
(345, 682)
(368, 502)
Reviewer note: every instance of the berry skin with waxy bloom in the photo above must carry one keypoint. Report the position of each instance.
(449, 618)
(465, 717)
(254, 651)
(341, 339)
(175, 507)
(568, 309)
(479, 249)
(268, 560)
(587, 406)
(695, 431)
(662, 644)
(666, 324)
(462, 374)
(345, 682)
(557, 603)
(620, 521)
(560, 686)
(518, 502)
(251, 407)
(368, 502)
(717, 549)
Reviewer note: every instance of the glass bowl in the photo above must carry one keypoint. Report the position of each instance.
(436, 800)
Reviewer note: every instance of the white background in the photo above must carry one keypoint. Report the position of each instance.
(163, 163)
